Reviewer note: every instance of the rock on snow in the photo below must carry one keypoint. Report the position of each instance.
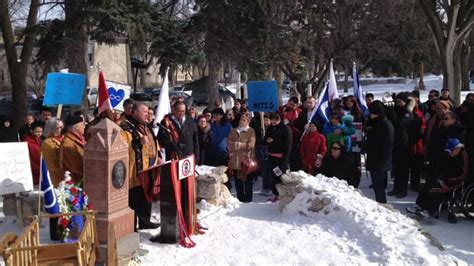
(353, 229)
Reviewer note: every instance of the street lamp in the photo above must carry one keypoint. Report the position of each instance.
(136, 64)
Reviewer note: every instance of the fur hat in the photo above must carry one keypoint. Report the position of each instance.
(74, 119)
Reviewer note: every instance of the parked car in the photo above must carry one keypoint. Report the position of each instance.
(6, 107)
(142, 97)
(92, 96)
(149, 90)
(155, 95)
(189, 100)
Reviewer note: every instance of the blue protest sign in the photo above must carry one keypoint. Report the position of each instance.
(263, 96)
(64, 88)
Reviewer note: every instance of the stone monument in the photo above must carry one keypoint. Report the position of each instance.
(106, 183)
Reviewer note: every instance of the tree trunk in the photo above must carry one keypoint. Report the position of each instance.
(457, 74)
(279, 79)
(18, 66)
(76, 47)
(347, 72)
(213, 83)
(465, 55)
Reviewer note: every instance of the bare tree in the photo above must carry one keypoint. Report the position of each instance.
(18, 64)
(451, 23)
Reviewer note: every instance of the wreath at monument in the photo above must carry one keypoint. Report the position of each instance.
(71, 198)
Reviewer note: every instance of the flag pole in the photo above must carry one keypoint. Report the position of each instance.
(39, 187)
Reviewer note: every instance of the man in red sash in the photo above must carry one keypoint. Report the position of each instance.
(143, 153)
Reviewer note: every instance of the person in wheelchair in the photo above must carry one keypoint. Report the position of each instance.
(454, 170)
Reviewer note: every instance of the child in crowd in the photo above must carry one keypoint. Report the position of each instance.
(312, 149)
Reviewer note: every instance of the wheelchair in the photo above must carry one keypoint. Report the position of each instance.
(459, 201)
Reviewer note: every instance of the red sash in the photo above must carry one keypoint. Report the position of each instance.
(184, 238)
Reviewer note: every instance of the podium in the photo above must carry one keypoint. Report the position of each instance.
(177, 200)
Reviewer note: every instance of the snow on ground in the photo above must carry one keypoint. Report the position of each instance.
(431, 82)
(457, 239)
(358, 231)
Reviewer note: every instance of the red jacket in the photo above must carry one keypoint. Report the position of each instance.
(312, 144)
(291, 115)
(418, 147)
(34, 148)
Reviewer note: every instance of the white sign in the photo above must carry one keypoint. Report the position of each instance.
(186, 167)
(15, 169)
(118, 93)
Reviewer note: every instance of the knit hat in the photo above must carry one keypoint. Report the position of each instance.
(376, 108)
(347, 118)
(402, 96)
(415, 93)
(453, 144)
(446, 104)
(74, 119)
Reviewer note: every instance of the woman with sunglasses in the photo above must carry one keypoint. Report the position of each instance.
(338, 164)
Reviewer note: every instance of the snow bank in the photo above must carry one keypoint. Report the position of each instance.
(356, 230)
(392, 237)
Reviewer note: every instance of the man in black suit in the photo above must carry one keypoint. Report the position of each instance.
(180, 138)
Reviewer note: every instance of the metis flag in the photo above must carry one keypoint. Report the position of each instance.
(164, 107)
(358, 92)
(50, 203)
(104, 99)
(332, 85)
(320, 112)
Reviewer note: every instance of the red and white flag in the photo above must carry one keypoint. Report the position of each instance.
(104, 99)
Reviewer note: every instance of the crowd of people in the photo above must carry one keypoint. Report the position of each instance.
(413, 140)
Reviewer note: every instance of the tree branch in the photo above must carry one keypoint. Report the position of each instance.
(29, 37)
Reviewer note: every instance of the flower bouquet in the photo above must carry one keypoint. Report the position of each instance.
(71, 198)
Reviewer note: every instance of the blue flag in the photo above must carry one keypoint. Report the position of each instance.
(358, 92)
(50, 203)
(322, 110)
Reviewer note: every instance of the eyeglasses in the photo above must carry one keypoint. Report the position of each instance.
(335, 148)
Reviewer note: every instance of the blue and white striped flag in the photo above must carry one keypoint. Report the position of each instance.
(321, 111)
(50, 203)
(358, 92)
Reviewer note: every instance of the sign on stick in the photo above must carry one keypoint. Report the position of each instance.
(262, 96)
(15, 169)
(64, 88)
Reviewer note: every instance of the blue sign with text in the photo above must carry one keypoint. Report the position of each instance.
(64, 88)
(263, 96)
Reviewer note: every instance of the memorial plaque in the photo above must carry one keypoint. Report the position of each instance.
(106, 182)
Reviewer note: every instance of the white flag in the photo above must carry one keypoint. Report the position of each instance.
(163, 108)
(332, 86)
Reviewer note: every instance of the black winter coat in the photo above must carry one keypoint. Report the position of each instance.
(205, 142)
(380, 137)
(402, 120)
(188, 141)
(282, 140)
(343, 168)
